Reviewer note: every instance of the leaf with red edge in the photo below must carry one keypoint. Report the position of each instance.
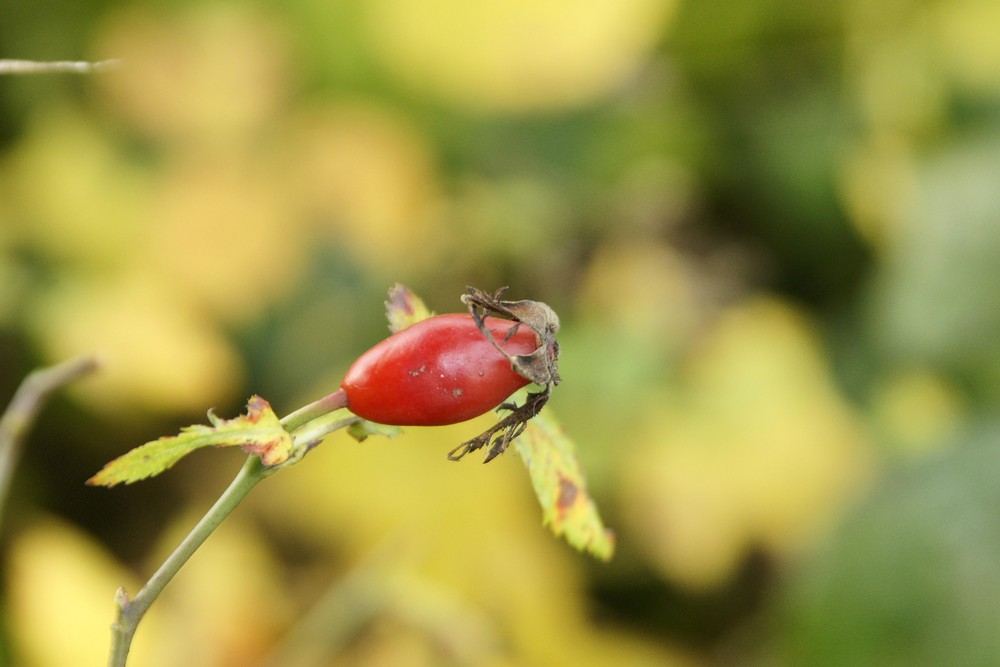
(557, 477)
(258, 432)
(404, 308)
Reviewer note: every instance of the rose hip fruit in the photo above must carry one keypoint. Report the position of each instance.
(441, 370)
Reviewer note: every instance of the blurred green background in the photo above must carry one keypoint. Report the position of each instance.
(771, 229)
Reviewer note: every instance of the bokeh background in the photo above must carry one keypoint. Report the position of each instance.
(771, 229)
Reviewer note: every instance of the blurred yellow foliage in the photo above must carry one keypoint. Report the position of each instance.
(162, 256)
(233, 587)
(222, 234)
(758, 451)
(917, 410)
(226, 608)
(158, 352)
(369, 179)
(892, 59)
(879, 186)
(966, 32)
(469, 531)
(69, 194)
(647, 289)
(516, 56)
(61, 588)
(517, 217)
(209, 74)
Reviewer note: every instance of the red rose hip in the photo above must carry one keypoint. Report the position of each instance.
(441, 370)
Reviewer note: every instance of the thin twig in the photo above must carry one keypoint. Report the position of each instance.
(28, 401)
(57, 67)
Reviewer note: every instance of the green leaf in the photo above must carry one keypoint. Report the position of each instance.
(557, 477)
(361, 429)
(404, 308)
(910, 576)
(258, 433)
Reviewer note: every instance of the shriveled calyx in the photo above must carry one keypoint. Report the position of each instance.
(540, 366)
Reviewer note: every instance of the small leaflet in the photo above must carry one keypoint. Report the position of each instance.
(258, 432)
(557, 477)
(361, 429)
(404, 308)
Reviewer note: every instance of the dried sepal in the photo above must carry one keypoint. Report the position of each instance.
(499, 436)
(541, 365)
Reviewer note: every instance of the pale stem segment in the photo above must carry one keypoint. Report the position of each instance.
(130, 612)
(28, 401)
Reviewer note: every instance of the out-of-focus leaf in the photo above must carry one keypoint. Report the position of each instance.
(911, 577)
(753, 450)
(50, 560)
(557, 477)
(258, 432)
(404, 308)
(163, 355)
(581, 50)
(929, 306)
(239, 615)
(372, 177)
(212, 71)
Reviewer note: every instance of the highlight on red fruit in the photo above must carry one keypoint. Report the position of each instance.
(441, 370)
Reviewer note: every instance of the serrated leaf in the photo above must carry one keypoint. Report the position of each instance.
(258, 432)
(404, 308)
(557, 477)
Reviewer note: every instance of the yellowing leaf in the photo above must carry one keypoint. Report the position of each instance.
(404, 308)
(557, 477)
(476, 57)
(258, 432)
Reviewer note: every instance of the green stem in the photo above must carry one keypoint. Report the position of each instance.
(130, 612)
(306, 414)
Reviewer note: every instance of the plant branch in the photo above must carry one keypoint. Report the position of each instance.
(308, 426)
(28, 401)
(130, 612)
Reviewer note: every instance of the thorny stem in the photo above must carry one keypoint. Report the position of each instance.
(307, 425)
